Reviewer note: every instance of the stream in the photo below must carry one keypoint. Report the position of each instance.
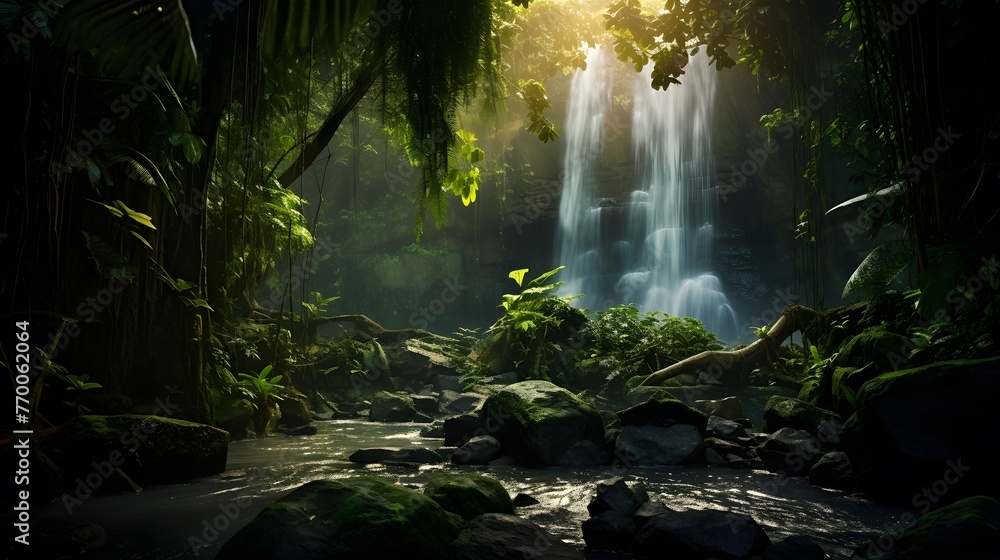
(158, 522)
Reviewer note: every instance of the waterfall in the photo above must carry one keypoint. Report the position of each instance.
(656, 251)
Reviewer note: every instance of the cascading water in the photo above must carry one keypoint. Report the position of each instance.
(658, 252)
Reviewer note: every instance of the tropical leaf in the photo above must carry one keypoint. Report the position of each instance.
(542, 278)
(877, 271)
(130, 37)
(881, 195)
(518, 275)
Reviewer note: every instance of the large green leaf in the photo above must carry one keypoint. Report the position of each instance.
(877, 271)
(131, 37)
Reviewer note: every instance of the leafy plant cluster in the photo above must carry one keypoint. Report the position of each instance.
(535, 329)
(640, 343)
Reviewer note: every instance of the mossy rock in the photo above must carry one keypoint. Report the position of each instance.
(875, 346)
(967, 529)
(235, 415)
(469, 495)
(912, 426)
(539, 423)
(664, 410)
(353, 518)
(788, 412)
(847, 381)
(149, 449)
(390, 407)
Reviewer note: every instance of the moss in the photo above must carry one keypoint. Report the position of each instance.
(846, 383)
(469, 495)
(875, 346)
(787, 412)
(967, 529)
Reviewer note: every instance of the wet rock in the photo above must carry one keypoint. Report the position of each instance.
(395, 455)
(725, 429)
(524, 500)
(425, 404)
(723, 447)
(834, 470)
(454, 402)
(460, 429)
(648, 511)
(294, 410)
(479, 450)
(469, 495)
(354, 519)
(435, 430)
(502, 379)
(497, 536)
(712, 458)
(787, 412)
(609, 531)
(235, 415)
(697, 535)
(540, 423)
(728, 408)
(307, 430)
(795, 548)
(149, 449)
(663, 410)
(389, 407)
(654, 445)
(790, 451)
(616, 495)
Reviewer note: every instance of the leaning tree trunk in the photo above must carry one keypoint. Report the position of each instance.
(793, 318)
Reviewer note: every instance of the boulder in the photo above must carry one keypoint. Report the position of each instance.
(149, 449)
(469, 495)
(795, 548)
(647, 445)
(498, 536)
(389, 407)
(789, 451)
(884, 350)
(235, 415)
(460, 429)
(724, 448)
(425, 404)
(434, 430)
(698, 535)
(352, 518)
(609, 531)
(968, 529)
(725, 429)
(728, 408)
(294, 410)
(417, 455)
(453, 402)
(845, 384)
(307, 430)
(479, 450)
(787, 412)
(524, 500)
(662, 409)
(540, 423)
(617, 496)
(917, 427)
(648, 511)
(834, 470)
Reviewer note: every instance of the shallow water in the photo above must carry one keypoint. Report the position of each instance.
(159, 522)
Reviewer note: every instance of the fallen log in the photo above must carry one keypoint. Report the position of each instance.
(794, 318)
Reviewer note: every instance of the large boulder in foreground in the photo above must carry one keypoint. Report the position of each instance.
(149, 449)
(469, 495)
(540, 423)
(498, 536)
(697, 535)
(968, 529)
(927, 434)
(663, 409)
(352, 518)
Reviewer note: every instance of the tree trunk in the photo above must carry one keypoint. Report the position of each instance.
(793, 318)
